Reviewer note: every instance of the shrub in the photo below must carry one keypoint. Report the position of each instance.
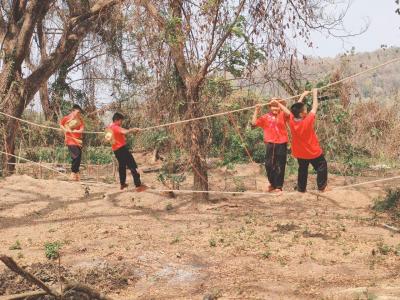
(52, 250)
(391, 202)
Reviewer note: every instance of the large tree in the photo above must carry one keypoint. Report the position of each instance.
(204, 38)
(22, 21)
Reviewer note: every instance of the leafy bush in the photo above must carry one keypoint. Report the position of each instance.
(390, 202)
(92, 155)
(52, 250)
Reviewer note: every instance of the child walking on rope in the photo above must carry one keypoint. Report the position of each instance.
(305, 144)
(120, 149)
(73, 128)
(275, 138)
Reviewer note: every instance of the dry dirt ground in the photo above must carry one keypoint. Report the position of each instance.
(148, 246)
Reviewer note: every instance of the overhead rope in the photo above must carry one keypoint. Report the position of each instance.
(225, 112)
(45, 126)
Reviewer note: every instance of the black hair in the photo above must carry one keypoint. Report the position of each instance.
(118, 116)
(77, 107)
(297, 109)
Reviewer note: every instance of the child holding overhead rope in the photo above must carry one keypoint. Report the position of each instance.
(116, 135)
(73, 127)
(275, 138)
(305, 144)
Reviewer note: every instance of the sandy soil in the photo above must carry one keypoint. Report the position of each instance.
(148, 246)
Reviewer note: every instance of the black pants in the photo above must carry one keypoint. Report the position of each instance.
(275, 164)
(126, 160)
(76, 155)
(320, 166)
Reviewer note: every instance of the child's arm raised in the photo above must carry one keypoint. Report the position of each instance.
(255, 115)
(285, 110)
(303, 95)
(314, 101)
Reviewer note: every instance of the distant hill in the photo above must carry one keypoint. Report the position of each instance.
(384, 82)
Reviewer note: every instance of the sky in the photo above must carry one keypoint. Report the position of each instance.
(384, 29)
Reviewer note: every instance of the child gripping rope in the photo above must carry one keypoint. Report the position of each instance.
(305, 144)
(276, 139)
(73, 127)
(116, 135)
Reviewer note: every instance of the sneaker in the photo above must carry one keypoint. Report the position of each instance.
(141, 188)
(123, 186)
(277, 191)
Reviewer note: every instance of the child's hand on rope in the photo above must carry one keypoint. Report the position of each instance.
(135, 130)
(303, 95)
(274, 101)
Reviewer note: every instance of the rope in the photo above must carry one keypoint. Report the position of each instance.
(225, 112)
(45, 126)
(54, 170)
(217, 192)
(264, 104)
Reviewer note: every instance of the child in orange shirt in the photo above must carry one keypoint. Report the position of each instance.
(305, 144)
(124, 157)
(275, 138)
(73, 128)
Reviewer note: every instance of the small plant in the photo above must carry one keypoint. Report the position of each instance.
(397, 250)
(52, 250)
(20, 255)
(16, 246)
(384, 249)
(239, 184)
(169, 207)
(212, 243)
(267, 254)
(389, 202)
(175, 240)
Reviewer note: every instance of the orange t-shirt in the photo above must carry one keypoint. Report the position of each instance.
(274, 128)
(73, 138)
(119, 137)
(305, 144)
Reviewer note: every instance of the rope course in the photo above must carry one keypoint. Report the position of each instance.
(229, 114)
(219, 192)
(220, 113)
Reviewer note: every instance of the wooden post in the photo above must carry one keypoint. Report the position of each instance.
(5, 167)
(18, 160)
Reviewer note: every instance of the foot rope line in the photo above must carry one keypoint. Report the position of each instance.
(220, 113)
(213, 191)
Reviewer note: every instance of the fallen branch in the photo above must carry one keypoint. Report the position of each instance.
(12, 265)
(390, 227)
(80, 288)
(24, 296)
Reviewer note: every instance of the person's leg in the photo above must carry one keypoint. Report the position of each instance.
(132, 166)
(302, 175)
(320, 165)
(280, 165)
(269, 164)
(119, 154)
(76, 156)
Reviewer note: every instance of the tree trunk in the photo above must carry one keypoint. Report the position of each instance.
(198, 146)
(15, 107)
